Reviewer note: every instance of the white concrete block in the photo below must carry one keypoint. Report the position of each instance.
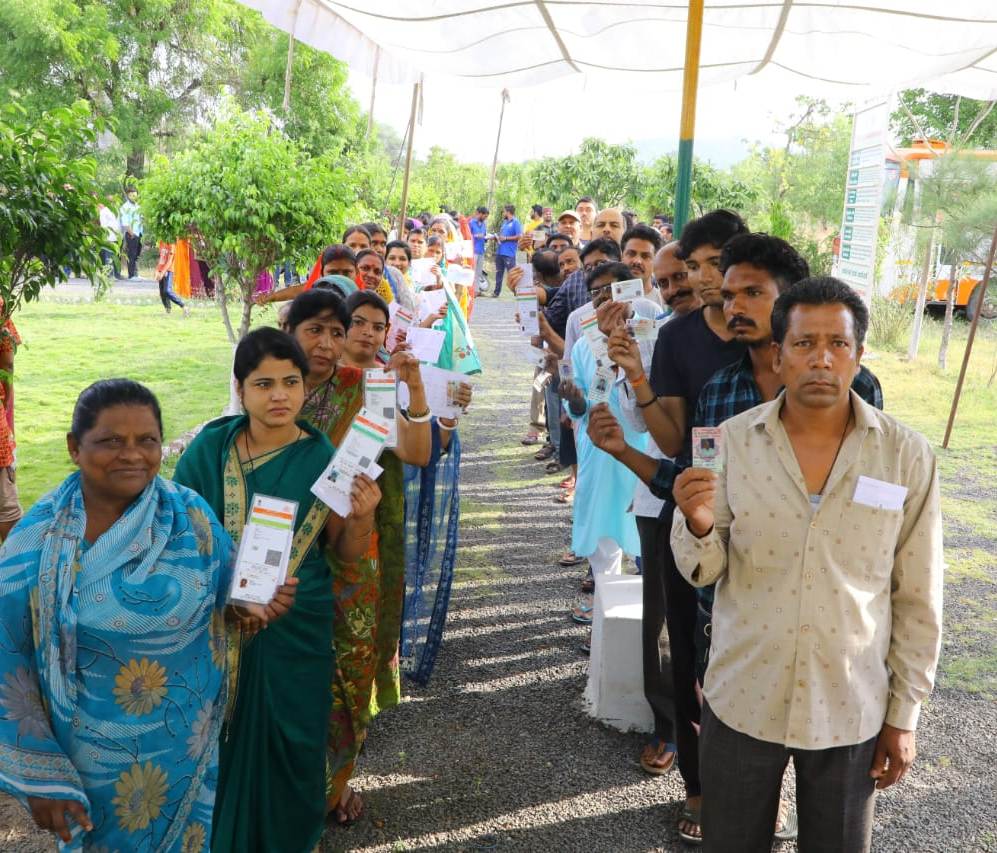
(615, 691)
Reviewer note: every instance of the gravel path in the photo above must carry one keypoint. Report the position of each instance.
(496, 754)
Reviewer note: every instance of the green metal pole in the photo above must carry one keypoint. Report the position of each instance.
(687, 127)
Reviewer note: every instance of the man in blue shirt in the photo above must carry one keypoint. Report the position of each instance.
(508, 237)
(479, 230)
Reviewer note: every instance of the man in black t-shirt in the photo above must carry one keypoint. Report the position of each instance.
(688, 352)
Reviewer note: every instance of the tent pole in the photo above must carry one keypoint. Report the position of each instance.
(373, 92)
(969, 341)
(408, 160)
(498, 137)
(290, 59)
(687, 127)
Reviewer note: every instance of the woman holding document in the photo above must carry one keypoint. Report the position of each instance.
(271, 786)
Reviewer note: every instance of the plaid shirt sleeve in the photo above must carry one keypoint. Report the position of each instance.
(867, 386)
(570, 295)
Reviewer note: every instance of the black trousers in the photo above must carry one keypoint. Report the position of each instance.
(742, 777)
(133, 248)
(670, 654)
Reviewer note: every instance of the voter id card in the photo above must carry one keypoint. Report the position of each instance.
(264, 550)
(380, 396)
(601, 387)
(707, 443)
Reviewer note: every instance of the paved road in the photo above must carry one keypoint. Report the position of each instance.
(496, 754)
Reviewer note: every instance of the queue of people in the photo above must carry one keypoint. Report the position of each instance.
(705, 402)
(721, 431)
(143, 703)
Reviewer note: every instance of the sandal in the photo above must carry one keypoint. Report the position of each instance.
(566, 497)
(567, 483)
(690, 815)
(553, 467)
(582, 614)
(658, 757)
(531, 438)
(790, 823)
(544, 452)
(343, 810)
(569, 559)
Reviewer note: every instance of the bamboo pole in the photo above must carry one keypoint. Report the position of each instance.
(498, 137)
(408, 160)
(373, 93)
(969, 342)
(687, 128)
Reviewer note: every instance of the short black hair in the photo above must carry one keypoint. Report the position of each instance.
(314, 303)
(482, 209)
(545, 263)
(266, 343)
(338, 252)
(373, 228)
(510, 208)
(775, 256)
(657, 216)
(412, 231)
(606, 245)
(711, 229)
(619, 272)
(106, 393)
(363, 253)
(537, 209)
(642, 232)
(366, 297)
(353, 229)
(398, 244)
(819, 290)
(585, 198)
(563, 237)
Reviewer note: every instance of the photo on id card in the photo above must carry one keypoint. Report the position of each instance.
(707, 444)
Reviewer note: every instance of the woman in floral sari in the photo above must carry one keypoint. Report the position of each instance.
(112, 657)
(271, 787)
(368, 592)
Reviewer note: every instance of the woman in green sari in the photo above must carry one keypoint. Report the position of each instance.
(368, 592)
(271, 787)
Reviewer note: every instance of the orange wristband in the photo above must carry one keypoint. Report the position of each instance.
(640, 380)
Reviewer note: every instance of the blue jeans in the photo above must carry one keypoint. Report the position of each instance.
(502, 263)
(166, 292)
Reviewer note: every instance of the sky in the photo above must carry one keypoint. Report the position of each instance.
(552, 118)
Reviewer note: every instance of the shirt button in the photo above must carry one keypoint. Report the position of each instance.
(813, 525)
(809, 576)
(804, 628)
(801, 683)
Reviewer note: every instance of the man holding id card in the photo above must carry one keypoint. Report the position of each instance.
(822, 531)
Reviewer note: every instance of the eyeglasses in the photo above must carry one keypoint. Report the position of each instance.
(605, 290)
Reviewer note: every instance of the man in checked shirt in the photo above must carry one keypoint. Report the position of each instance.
(823, 535)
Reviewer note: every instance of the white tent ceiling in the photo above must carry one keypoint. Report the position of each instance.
(854, 49)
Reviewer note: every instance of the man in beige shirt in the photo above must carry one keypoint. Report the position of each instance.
(823, 534)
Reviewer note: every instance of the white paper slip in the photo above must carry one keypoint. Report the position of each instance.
(441, 391)
(521, 258)
(537, 357)
(879, 494)
(525, 284)
(457, 274)
(401, 319)
(628, 291)
(541, 382)
(539, 239)
(425, 344)
(380, 396)
(264, 550)
(602, 385)
(529, 313)
(420, 271)
(453, 250)
(430, 302)
(357, 454)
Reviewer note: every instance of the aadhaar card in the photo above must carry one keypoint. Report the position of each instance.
(707, 443)
(598, 342)
(357, 454)
(380, 395)
(264, 550)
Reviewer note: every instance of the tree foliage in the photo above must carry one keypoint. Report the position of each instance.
(962, 122)
(711, 188)
(248, 196)
(609, 173)
(48, 218)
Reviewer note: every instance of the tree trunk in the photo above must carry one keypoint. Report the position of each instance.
(922, 298)
(247, 308)
(943, 348)
(135, 164)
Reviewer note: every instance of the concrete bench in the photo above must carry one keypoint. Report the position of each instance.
(615, 691)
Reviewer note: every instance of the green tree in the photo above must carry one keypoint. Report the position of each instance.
(48, 212)
(462, 186)
(248, 196)
(607, 172)
(962, 122)
(711, 188)
(151, 65)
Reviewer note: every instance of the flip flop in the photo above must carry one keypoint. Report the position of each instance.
(690, 815)
(544, 452)
(553, 467)
(531, 438)
(570, 559)
(582, 614)
(566, 497)
(661, 749)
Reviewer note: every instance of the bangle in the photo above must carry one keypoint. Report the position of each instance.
(640, 380)
(443, 426)
(648, 403)
(421, 418)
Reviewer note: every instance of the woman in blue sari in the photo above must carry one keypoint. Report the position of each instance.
(113, 641)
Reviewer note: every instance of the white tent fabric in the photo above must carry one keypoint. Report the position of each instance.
(854, 49)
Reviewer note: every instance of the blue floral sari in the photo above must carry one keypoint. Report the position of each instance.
(112, 665)
(432, 518)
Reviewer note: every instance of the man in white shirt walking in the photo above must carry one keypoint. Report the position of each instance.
(823, 534)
